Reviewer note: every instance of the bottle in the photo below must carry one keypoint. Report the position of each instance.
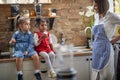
(36, 1)
(62, 38)
(87, 45)
(32, 13)
(38, 10)
(49, 12)
(90, 44)
(11, 49)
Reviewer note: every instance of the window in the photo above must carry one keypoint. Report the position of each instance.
(117, 6)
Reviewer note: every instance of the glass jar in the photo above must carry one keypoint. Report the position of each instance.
(32, 13)
(38, 9)
(26, 13)
(65, 69)
(11, 49)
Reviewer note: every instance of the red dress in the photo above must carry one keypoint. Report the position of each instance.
(44, 44)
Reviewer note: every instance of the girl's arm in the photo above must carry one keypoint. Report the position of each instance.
(30, 43)
(51, 44)
(12, 41)
(36, 39)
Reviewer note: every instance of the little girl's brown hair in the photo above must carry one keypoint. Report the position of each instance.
(39, 20)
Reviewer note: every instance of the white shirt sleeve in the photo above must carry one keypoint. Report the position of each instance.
(115, 19)
(36, 39)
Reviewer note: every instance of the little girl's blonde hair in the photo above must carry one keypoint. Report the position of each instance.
(20, 19)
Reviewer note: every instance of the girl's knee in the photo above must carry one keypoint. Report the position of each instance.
(52, 54)
(19, 59)
(44, 55)
(35, 56)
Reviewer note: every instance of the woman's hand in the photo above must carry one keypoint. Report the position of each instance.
(115, 39)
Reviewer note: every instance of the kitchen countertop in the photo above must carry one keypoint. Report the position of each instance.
(75, 55)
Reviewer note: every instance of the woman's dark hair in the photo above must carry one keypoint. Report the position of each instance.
(39, 20)
(103, 5)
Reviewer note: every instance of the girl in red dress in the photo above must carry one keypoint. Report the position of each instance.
(43, 44)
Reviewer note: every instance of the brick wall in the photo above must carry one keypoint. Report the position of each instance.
(70, 22)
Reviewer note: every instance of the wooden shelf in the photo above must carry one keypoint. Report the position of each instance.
(38, 16)
(45, 16)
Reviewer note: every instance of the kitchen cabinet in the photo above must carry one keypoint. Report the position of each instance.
(83, 66)
(8, 71)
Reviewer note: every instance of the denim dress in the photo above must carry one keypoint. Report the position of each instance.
(101, 48)
(24, 42)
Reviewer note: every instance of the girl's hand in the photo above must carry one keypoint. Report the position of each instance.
(45, 34)
(26, 52)
(12, 41)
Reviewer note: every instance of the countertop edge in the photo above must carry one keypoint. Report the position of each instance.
(76, 54)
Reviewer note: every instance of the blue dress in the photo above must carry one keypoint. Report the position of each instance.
(24, 42)
(101, 47)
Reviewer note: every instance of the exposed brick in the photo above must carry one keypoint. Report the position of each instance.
(70, 22)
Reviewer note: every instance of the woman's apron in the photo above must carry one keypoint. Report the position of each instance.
(103, 55)
(101, 48)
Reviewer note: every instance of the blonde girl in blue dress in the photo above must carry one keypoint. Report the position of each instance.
(24, 47)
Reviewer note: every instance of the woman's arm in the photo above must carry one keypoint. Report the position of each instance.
(115, 39)
(115, 19)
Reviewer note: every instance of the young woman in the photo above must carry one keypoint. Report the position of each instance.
(43, 44)
(103, 53)
(24, 47)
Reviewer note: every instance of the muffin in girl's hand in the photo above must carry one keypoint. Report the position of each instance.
(45, 34)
